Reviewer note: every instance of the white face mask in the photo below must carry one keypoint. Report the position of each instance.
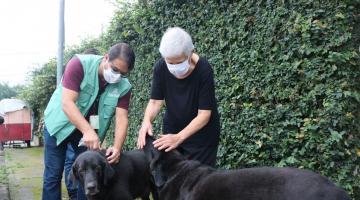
(180, 69)
(110, 76)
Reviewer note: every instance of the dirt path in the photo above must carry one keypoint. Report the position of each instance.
(25, 171)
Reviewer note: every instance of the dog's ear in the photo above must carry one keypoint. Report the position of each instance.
(103, 151)
(73, 176)
(158, 176)
(109, 173)
(153, 155)
(150, 151)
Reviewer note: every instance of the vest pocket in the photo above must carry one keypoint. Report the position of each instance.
(83, 100)
(85, 95)
(108, 111)
(109, 107)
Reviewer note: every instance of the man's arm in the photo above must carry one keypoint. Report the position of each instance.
(151, 111)
(121, 126)
(90, 138)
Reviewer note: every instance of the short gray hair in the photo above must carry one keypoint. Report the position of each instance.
(175, 42)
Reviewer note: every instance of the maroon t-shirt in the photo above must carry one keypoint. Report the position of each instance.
(74, 74)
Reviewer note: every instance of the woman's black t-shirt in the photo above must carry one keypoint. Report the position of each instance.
(183, 99)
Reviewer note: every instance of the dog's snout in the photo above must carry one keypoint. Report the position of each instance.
(91, 188)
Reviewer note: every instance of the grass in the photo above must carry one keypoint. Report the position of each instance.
(7, 156)
(24, 167)
(3, 175)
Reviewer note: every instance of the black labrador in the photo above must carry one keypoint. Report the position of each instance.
(128, 179)
(181, 179)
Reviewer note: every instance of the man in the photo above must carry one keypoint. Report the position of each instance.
(185, 81)
(70, 154)
(93, 87)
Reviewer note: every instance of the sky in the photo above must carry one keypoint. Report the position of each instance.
(29, 31)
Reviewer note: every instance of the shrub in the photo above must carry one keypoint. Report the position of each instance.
(287, 77)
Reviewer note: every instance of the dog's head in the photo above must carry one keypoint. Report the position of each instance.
(92, 170)
(162, 164)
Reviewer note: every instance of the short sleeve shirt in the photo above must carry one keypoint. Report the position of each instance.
(183, 99)
(73, 76)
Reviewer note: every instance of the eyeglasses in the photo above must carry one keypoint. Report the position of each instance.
(116, 71)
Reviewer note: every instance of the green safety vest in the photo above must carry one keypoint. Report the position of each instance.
(56, 121)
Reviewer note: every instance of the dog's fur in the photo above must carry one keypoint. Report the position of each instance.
(181, 179)
(128, 179)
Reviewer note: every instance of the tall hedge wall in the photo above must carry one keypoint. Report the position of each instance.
(287, 77)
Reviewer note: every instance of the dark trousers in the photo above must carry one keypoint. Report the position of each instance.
(54, 160)
(206, 155)
(69, 160)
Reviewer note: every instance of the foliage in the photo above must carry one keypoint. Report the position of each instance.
(287, 77)
(38, 92)
(7, 91)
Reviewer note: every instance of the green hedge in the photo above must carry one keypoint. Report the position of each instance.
(287, 77)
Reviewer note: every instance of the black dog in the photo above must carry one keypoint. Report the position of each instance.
(178, 178)
(126, 180)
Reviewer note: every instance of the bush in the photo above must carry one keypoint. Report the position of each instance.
(287, 77)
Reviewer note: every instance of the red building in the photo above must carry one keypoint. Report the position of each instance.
(17, 121)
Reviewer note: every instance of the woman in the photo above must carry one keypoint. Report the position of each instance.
(185, 81)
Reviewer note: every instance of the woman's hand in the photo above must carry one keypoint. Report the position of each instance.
(168, 142)
(146, 128)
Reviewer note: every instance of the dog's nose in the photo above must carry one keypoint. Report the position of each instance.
(91, 186)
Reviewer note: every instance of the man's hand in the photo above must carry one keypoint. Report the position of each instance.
(146, 128)
(113, 155)
(168, 142)
(91, 140)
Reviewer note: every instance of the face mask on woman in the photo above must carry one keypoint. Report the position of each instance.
(110, 76)
(180, 69)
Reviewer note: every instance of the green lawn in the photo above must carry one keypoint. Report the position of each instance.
(24, 167)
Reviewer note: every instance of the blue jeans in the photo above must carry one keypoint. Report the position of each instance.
(54, 160)
(69, 160)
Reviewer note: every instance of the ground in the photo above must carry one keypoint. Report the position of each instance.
(24, 169)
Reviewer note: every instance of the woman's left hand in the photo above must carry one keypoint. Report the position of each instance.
(112, 155)
(168, 142)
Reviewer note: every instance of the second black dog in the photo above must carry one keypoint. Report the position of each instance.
(126, 180)
(181, 179)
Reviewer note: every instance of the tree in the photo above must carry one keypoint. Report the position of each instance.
(7, 91)
(42, 84)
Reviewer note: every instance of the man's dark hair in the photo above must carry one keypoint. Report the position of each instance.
(91, 51)
(124, 52)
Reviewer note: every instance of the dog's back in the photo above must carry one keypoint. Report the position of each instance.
(267, 183)
(180, 179)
